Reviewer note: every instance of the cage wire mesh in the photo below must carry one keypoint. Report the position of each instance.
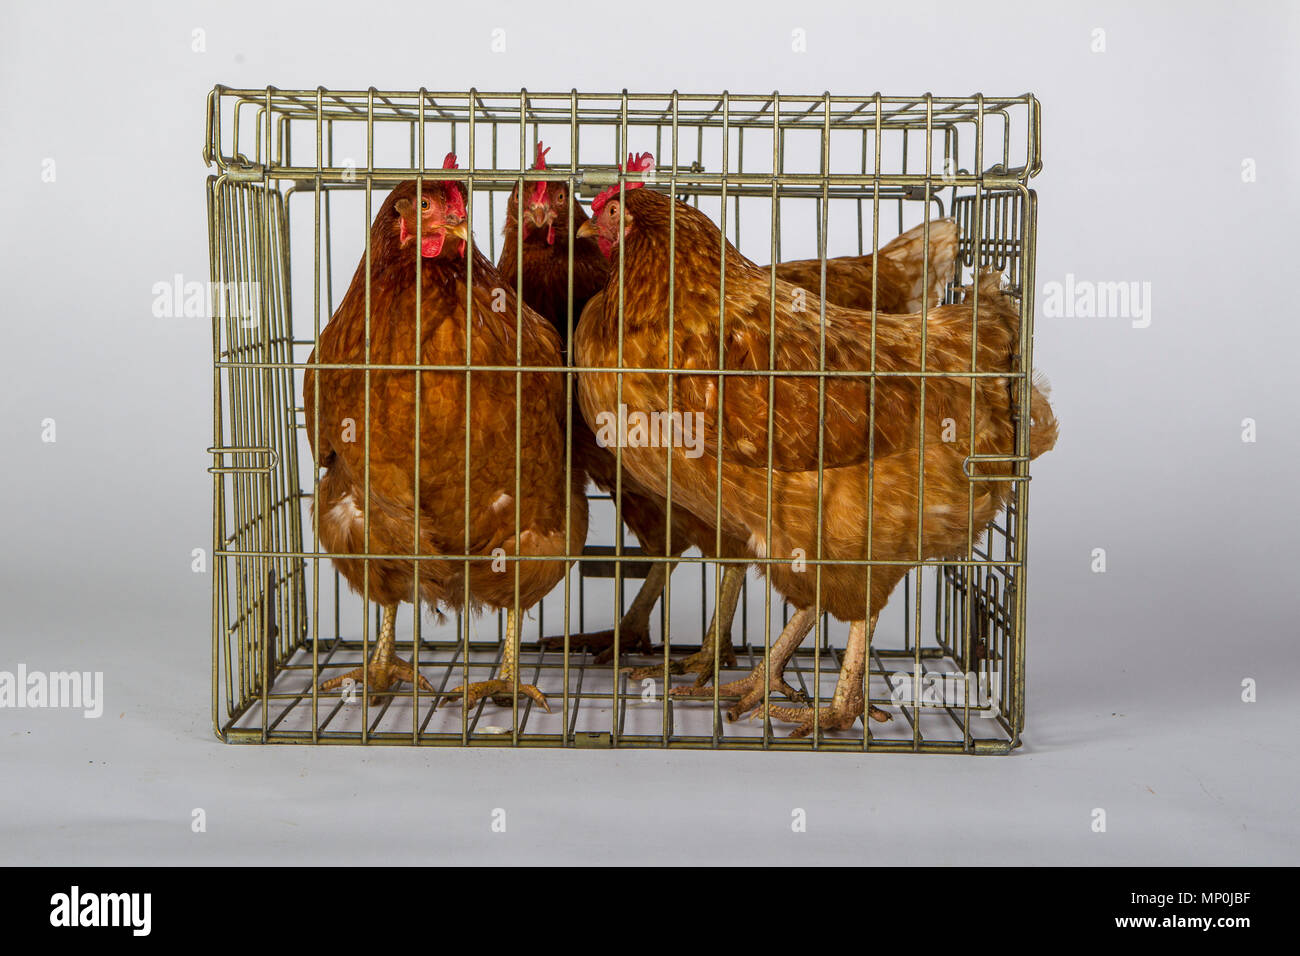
(299, 173)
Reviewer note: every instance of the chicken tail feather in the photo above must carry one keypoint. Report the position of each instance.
(908, 252)
(1044, 427)
(1002, 309)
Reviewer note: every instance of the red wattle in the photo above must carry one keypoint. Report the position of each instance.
(432, 245)
(550, 235)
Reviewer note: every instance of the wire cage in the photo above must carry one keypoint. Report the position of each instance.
(297, 176)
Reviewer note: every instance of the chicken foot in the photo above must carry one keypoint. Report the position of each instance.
(384, 668)
(633, 627)
(769, 674)
(716, 640)
(501, 689)
(847, 704)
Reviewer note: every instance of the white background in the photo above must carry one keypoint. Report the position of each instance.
(1135, 674)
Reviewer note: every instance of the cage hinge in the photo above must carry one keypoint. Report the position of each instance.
(998, 174)
(592, 738)
(592, 179)
(244, 172)
(219, 451)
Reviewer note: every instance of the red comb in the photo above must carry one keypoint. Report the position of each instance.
(539, 190)
(455, 196)
(640, 162)
(636, 163)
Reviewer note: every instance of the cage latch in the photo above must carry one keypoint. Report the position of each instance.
(219, 468)
(967, 464)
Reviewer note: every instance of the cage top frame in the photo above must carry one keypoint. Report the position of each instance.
(823, 112)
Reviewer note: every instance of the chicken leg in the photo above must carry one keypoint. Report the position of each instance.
(633, 627)
(717, 638)
(769, 674)
(384, 668)
(847, 704)
(504, 685)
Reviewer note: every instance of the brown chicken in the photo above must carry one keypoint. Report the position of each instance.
(544, 229)
(900, 284)
(859, 450)
(425, 234)
(543, 232)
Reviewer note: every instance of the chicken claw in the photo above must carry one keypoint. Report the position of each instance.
(499, 690)
(838, 716)
(769, 673)
(384, 674)
(631, 640)
(699, 663)
(748, 689)
(848, 703)
(384, 670)
(634, 627)
(718, 637)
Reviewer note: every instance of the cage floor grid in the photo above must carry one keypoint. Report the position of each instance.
(586, 717)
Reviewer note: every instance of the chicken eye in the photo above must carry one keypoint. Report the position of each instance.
(424, 204)
(559, 194)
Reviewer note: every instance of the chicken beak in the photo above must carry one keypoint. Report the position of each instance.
(457, 229)
(587, 230)
(539, 215)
